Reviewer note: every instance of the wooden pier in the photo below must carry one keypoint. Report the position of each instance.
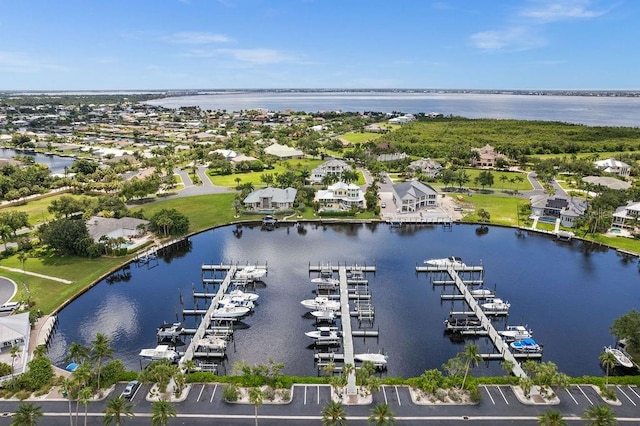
(501, 346)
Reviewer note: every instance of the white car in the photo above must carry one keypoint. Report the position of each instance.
(383, 205)
(130, 390)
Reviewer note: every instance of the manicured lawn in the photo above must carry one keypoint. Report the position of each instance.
(38, 209)
(357, 137)
(497, 183)
(503, 210)
(229, 181)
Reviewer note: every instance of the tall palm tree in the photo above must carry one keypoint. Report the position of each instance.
(161, 412)
(551, 417)
(333, 414)
(77, 353)
(471, 355)
(84, 396)
(117, 408)
(15, 349)
(100, 350)
(600, 415)
(608, 360)
(381, 415)
(28, 414)
(256, 397)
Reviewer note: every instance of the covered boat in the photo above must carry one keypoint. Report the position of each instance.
(321, 303)
(526, 345)
(496, 305)
(482, 293)
(379, 360)
(324, 314)
(250, 273)
(515, 332)
(622, 360)
(324, 282)
(211, 343)
(454, 261)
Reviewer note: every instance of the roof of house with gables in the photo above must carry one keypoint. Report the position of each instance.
(413, 189)
(277, 195)
(570, 207)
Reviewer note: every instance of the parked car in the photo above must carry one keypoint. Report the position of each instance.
(383, 205)
(131, 388)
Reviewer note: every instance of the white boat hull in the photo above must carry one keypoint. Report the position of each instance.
(321, 303)
(230, 311)
(376, 359)
(622, 359)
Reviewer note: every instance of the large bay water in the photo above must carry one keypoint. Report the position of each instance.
(588, 110)
(569, 294)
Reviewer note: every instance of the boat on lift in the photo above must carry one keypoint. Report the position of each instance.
(244, 295)
(379, 360)
(229, 311)
(496, 306)
(454, 261)
(324, 315)
(622, 359)
(169, 331)
(250, 272)
(211, 343)
(160, 352)
(320, 303)
(526, 346)
(324, 333)
(515, 332)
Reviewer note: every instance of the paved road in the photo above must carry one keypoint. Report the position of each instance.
(7, 290)
(204, 405)
(205, 188)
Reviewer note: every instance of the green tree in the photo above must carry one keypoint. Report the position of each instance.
(551, 417)
(484, 216)
(84, 396)
(333, 414)
(66, 236)
(28, 414)
(600, 415)
(161, 412)
(117, 409)
(77, 353)
(627, 327)
(381, 415)
(484, 178)
(256, 397)
(608, 361)
(100, 350)
(471, 357)
(13, 352)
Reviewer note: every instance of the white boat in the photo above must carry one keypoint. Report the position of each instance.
(326, 282)
(236, 301)
(320, 303)
(526, 346)
(622, 359)
(229, 311)
(169, 331)
(496, 305)
(244, 295)
(324, 333)
(481, 293)
(515, 332)
(160, 352)
(211, 343)
(324, 314)
(250, 273)
(454, 261)
(379, 360)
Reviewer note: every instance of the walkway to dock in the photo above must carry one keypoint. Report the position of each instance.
(347, 337)
(206, 320)
(474, 306)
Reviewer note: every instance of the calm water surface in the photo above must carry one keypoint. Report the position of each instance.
(568, 294)
(55, 163)
(589, 110)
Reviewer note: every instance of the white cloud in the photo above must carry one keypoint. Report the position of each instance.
(257, 56)
(515, 38)
(189, 37)
(560, 10)
(25, 63)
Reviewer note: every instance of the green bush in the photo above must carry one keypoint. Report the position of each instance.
(269, 394)
(203, 377)
(5, 369)
(230, 393)
(285, 394)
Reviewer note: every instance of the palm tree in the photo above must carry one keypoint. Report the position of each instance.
(333, 414)
(381, 415)
(600, 415)
(77, 353)
(161, 412)
(551, 418)
(100, 350)
(40, 351)
(15, 349)
(67, 391)
(117, 408)
(189, 365)
(608, 360)
(255, 397)
(28, 414)
(84, 396)
(471, 355)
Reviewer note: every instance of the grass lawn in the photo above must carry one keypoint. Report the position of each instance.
(229, 181)
(38, 209)
(357, 137)
(503, 210)
(497, 183)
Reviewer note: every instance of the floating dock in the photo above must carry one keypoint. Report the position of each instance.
(347, 337)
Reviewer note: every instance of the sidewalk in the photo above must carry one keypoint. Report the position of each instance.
(48, 277)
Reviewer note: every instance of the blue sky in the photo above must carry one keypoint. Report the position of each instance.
(197, 44)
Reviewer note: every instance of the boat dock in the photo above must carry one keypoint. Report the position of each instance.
(347, 337)
(454, 272)
(202, 330)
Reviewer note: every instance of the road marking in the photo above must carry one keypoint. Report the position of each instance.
(632, 390)
(213, 393)
(489, 393)
(384, 393)
(200, 394)
(398, 395)
(318, 387)
(503, 397)
(621, 391)
(305, 395)
(585, 395)
(574, 400)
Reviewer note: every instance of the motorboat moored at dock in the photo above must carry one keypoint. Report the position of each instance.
(324, 315)
(324, 333)
(515, 332)
(379, 360)
(325, 282)
(526, 346)
(495, 306)
(244, 295)
(229, 311)
(320, 303)
(250, 273)
(622, 360)
(211, 343)
(160, 352)
(169, 331)
(454, 261)
(482, 293)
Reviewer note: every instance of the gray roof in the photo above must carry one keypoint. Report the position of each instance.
(413, 188)
(99, 226)
(609, 182)
(14, 327)
(277, 195)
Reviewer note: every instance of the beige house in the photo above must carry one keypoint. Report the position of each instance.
(487, 156)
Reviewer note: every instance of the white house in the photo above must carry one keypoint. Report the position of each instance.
(611, 165)
(340, 196)
(270, 199)
(109, 227)
(402, 119)
(427, 166)
(625, 217)
(332, 167)
(552, 208)
(414, 195)
(283, 151)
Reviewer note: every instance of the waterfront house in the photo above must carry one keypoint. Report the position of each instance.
(549, 209)
(627, 217)
(403, 119)
(340, 196)
(269, 200)
(333, 167)
(611, 165)
(15, 331)
(487, 156)
(414, 195)
(427, 166)
(109, 227)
